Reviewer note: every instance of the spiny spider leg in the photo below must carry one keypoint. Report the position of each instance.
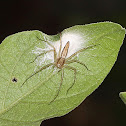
(62, 76)
(75, 71)
(46, 42)
(44, 52)
(44, 67)
(59, 55)
(80, 51)
(55, 54)
(77, 61)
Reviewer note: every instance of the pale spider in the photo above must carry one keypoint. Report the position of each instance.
(60, 62)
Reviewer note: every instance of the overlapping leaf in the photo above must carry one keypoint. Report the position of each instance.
(123, 96)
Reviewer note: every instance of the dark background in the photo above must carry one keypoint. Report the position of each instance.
(103, 107)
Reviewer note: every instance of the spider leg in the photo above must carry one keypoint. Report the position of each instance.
(77, 61)
(75, 71)
(62, 76)
(81, 50)
(59, 55)
(55, 54)
(44, 67)
(44, 52)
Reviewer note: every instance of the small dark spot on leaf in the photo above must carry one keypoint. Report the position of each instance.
(14, 79)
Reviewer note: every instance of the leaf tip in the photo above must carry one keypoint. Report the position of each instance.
(122, 95)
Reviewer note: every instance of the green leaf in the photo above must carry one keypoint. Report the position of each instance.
(28, 101)
(123, 96)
